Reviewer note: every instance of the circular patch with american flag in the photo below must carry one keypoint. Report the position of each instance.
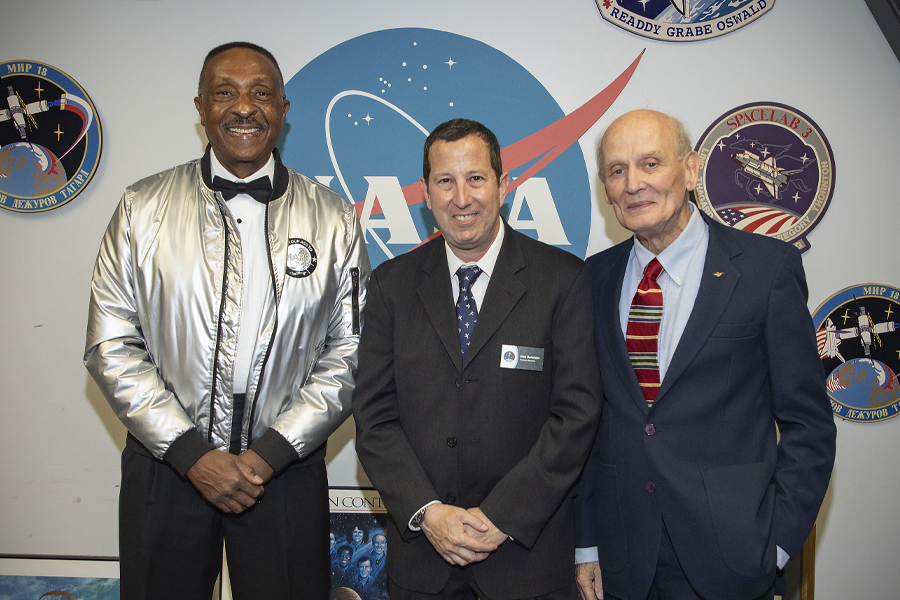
(766, 168)
(858, 336)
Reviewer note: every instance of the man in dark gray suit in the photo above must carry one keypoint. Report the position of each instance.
(708, 352)
(474, 420)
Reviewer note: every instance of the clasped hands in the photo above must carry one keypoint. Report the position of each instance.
(230, 483)
(461, 536)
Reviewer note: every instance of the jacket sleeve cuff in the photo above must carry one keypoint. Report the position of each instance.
(186, 450)
(275, 450)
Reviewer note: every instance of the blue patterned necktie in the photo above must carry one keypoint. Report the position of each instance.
(466, 311)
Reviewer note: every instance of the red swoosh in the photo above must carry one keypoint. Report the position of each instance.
(551, 141)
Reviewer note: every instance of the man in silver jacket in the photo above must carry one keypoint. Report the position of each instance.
(223, 329)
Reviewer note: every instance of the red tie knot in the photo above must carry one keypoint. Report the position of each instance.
(653, 270)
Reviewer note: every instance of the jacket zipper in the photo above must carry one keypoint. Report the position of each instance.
(354, 277)
(215, 378)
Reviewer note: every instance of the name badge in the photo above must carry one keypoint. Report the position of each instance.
(521, 357)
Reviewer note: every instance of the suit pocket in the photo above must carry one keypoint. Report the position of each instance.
(612, 547)
(741, 501)
(735, 330)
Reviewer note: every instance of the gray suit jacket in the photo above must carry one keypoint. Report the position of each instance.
(508, 440)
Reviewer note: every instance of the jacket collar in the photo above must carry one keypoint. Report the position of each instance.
(279, 186)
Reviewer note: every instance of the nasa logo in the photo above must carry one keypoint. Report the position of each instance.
(766, 168)
(361, 112)
(49, 137)
(301, 258)
(860, 351)
(682, 20)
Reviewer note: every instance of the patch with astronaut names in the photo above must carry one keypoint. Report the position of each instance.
(859, 344)
(766, 168)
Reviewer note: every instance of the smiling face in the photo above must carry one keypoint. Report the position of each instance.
(465, 195)
(357, 535)
(646, 180)
(379, 542)
(365, 567)
(344, 557)
(242, 106)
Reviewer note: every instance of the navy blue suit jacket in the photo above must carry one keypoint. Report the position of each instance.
(704, 459)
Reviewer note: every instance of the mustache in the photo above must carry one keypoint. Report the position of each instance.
(245, 123)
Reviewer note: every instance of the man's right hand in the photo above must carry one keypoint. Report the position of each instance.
(590, 584)
(445, 528)
(226, 482)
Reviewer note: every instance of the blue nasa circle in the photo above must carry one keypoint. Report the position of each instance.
(361, 111)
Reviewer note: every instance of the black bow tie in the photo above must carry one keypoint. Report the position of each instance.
(260, 189)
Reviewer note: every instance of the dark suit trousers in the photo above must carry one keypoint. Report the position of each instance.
(462, 586)
(670, 582)
(170, 538)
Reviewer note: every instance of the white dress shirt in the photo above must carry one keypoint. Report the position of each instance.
(250, 217)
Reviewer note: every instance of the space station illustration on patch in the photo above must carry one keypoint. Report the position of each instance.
(859, 344)
(50, 137)
(766, 168)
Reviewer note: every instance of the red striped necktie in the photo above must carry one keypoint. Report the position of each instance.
(642, 333)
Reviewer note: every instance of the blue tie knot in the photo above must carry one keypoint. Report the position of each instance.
(467, 276)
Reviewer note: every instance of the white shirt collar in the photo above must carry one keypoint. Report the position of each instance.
(217, 170)
(676, 258)
(485, 263)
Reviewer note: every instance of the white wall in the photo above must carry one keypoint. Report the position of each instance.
(139, 61)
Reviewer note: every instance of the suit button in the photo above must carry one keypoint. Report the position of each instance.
(451, 441)
(649, 428)
(650, 487)
(458, 383)
(450, 499)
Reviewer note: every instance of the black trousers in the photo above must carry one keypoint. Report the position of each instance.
(170, 538)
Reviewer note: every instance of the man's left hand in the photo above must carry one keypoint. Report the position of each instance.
(259, 465)
(493, 535)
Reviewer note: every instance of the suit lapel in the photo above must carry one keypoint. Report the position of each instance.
(608, 291)
(436, 296)
(503, 293)
(716, 287)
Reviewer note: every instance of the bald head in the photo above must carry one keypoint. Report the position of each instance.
(647, 168)
(672, 129)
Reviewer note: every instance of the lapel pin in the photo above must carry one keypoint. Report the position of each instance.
(718, 273)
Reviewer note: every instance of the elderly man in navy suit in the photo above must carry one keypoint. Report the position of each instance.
(475, 438)
(708, 352)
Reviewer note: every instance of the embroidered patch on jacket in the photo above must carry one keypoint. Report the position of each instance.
(859, 345)
(301, 258)
(766, 168)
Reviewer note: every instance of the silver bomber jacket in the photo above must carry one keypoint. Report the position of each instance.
(166, 301)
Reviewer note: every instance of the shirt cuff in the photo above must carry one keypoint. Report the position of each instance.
(782, 558)
(410, 525)
(586, 555)
(187, 450)
(275, 450)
